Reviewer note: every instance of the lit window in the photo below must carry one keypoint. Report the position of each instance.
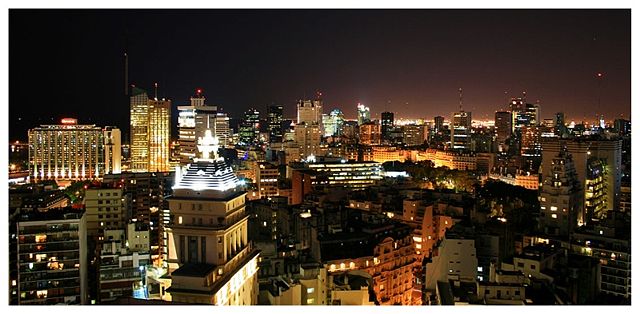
(310, 290)
(180, 220)
(553, 208)
(554, 216)
(310, 300)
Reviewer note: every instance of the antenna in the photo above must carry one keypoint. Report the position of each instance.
(126, 73)
(155, 87)
(460, 90)
(524, 96)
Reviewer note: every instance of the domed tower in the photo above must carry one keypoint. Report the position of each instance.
(210, 259)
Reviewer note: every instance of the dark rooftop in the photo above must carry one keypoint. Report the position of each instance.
(194, 270)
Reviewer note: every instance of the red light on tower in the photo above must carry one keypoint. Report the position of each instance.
(599, 74)
(199, 91)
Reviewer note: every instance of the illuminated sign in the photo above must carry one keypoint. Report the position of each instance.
(69, 121)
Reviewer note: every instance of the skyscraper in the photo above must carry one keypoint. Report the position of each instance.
(310, 111)
(150, 132)
(503, 126)
(438, 124)
(387, 122)
(364, 114)
(461, 130)
(274, 120)
(249, 129)
(73, 152)
(561, 197)
(210, 260)
(333, 122)
(193, 120)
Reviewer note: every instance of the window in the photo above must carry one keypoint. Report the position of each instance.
(310, 301)
(533, 267)
(310, 290)
(487, 291)
(203, 249)
(517, 292)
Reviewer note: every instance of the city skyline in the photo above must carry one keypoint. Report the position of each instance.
(85, 70)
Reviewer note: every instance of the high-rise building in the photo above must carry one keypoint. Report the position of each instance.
(193, 120)
(503, 126)
(150, 132)
(70, 151)
(387, 122)
(438, 124)
(333, 122)
(461, 130)
(52, 256)
(530, 141)
(583, 152)
(112, 150)
(307, 138)
(413, 135)
(210, 258)
(622, 126)
(104, 209)
(249, 129)
(310, 111)
(364, 114)
(561, 197)
(523, 114)
(274, 120)
(370, 133)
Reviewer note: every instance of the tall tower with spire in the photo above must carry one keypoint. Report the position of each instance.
(210, 259)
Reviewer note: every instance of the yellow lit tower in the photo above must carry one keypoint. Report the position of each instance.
(150, 132)
(210, 259)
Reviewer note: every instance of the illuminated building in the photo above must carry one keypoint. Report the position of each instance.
(274, 121)
(461, 130)
(112, 150)
(413, 135)
(150, 132)
(122, 263)
(387, 122)
(351, 288)
(344, 174)
(523, 114)
(210, 258)
(582, 151)
(104, 209)
(383, 154)
(530, 141)
(456, 257)
(364, 114)
(193, 120)
(594, 194)
(307, 139)
(333, 122)
(622, 126)
(250, 127)
(561, 197)
(450, 159)
(384, 251)
(52, 250)
(70, 151)
(309, 111)
(438, 124)
(267, 179)
(370, 133)
(503, 127)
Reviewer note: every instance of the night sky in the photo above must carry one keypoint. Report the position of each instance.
(70, 62)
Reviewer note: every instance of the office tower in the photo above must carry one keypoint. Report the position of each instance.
(594, 191)
(583, 152)
(104, 209)
(561, 197)
(70, 151)
(307, 137)
(438, 124)
(274, 122)
(364, 114)
(52, 252)
(503, 126)
(622, 126)
(350, 175)
(333, 122)
(370, 133)
(413, 135)
(267, 179)
(310, 111)
(210, 258)
(249, 129)
(112, 150)
(150, 132)
(461, 130)
(530, 141)
(387, 122)
(523, 114)
(192, 121)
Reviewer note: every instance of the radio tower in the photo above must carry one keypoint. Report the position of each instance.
(460, 90)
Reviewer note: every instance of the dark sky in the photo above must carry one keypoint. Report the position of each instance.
(70, 62)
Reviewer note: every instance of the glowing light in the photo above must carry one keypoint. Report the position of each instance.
(69, 121)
